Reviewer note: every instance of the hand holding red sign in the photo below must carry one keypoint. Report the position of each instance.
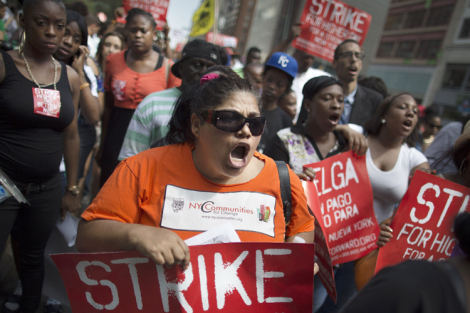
(346, 212)
(229, 277)
(325, 24)
(423, 222)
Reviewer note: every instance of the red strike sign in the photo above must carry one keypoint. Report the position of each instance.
(158, 8)
(423, 222)
(222, 40)
(327, 23)
(346, 212)
(229, 277)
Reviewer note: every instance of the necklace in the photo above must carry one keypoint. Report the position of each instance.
(36, 82)
(428, 140)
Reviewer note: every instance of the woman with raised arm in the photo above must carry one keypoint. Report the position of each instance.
(38, 123)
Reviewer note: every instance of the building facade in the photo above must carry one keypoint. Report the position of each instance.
(424, 50)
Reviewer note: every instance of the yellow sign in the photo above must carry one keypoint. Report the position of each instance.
(203, 19)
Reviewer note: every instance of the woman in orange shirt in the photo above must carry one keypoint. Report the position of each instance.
(130, 76)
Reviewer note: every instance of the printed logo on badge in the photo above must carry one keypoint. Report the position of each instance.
(177, 205)
(263, 213)
(119, 89)
(46, 102)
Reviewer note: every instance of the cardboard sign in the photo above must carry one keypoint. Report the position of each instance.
(158, 8)
(327, 23)
(346, 212)
(229, 277)
(422, 226)
(222, 40)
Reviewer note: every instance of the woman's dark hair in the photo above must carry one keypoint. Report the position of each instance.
(197, 98)
(78, 6)
(462, 231)
(28, 3)
(136, 12)
(429, 114)
(374, 83)
(374, 124)
(74, 16)
(99, 51)
(311, 88)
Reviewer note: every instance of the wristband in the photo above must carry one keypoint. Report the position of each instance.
(84, 86)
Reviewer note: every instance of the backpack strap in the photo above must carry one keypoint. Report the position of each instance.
(286, 194)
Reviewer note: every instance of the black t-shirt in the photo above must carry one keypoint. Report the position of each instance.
(276, 120)
(410, 287)
(31, 144)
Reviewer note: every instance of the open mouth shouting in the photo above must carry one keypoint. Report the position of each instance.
(408, 124)
(239, 154)
(334, 118)
(353, 70)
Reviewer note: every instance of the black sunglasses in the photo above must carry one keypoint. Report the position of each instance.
(231, 121)
(349, 54)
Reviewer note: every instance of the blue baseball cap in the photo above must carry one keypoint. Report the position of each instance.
(283, 62)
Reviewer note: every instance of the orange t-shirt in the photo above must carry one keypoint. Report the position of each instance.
(161, 187)
(129, 88)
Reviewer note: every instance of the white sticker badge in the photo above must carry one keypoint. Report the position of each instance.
(193, 210)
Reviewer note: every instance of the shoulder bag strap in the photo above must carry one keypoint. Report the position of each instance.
(286, 194)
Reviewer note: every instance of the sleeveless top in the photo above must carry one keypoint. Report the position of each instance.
(31, 144)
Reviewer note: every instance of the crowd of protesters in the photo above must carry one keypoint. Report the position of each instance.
(123, 119)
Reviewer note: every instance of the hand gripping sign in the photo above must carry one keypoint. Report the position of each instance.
(327, 23)
(158, 9)
(346, 212)
(422, 226)
(228, 277)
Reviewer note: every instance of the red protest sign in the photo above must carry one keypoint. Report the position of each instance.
(346, 212)
(222, 40)
(423, 222)
(322, 256)
(325, 272)
(158, 8)
(325, 24)
(229, 277)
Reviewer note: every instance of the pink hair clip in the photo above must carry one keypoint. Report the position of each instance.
(207, 78)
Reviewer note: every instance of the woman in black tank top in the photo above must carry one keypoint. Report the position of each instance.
(38, 123)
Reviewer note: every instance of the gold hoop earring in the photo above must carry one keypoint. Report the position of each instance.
(23, 40)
